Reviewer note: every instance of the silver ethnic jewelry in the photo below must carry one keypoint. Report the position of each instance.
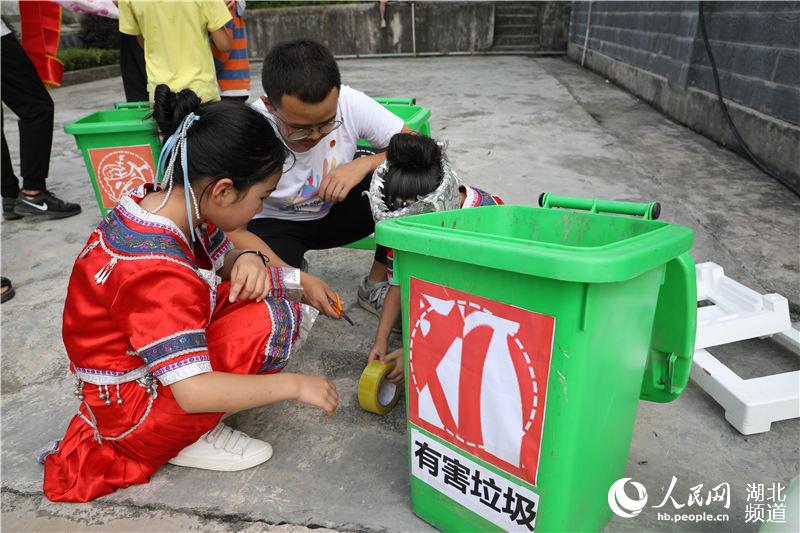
(176, 146)
(445, 198)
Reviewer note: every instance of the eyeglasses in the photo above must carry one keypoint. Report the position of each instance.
(291, 133)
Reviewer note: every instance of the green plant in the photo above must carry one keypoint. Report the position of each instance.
(81, 58)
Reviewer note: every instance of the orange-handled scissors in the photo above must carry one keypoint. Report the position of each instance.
(337, 306)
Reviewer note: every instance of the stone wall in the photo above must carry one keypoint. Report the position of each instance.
(440, 27)
(656, 50)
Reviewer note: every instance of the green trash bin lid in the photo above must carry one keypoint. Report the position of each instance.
(558, 244)
(112, 121)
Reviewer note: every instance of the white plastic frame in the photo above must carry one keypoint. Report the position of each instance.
(739, 313)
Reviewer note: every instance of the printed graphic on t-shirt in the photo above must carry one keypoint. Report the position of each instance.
(297, 195)
(308, 200)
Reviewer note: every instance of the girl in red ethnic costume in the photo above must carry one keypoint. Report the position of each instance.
(160, 346)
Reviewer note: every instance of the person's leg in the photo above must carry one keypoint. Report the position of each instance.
(131, 64)
(24, 93)
(10, 188)
(349, 221)
(246, 338)
(10, 183)
(287, 238)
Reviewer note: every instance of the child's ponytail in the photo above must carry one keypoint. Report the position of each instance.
(169, 109)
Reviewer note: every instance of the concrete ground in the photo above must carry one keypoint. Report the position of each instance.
(517, 127)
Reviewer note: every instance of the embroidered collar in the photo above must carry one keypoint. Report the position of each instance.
(125, 230)
(120, 234)
(140, 215)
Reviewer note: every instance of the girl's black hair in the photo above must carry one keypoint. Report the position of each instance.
(414, 169)
(231, 140)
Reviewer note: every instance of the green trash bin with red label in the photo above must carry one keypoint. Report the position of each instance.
(120, 148)
(530, 335)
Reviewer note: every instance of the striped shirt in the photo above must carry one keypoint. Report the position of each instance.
(233, 67)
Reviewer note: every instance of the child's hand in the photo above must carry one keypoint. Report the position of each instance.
(318, 294)
(318, 392)
(378, 351)
(249, 279)
(397, 374)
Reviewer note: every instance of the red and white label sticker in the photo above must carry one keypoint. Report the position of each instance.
(121, 170)
(478, 373)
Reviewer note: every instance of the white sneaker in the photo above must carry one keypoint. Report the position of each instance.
(224, 449)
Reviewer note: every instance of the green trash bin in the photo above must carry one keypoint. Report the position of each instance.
(415, 116)
(120, 148)
(530, 335)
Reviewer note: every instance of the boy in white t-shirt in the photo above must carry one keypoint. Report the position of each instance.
(319, 203)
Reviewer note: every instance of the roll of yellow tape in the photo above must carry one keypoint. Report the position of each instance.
(376, 394)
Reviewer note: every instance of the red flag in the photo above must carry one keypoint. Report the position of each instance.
(40, 22)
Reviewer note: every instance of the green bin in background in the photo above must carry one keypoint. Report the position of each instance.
(415, 116)
(121, 146)
(530, 334)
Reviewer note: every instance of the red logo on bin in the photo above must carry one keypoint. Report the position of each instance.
(478, 373)
(121, 170)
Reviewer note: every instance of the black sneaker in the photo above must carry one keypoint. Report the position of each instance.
(8, 209)
(45, 204)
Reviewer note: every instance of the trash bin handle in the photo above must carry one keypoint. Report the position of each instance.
(131, 105)
(396, 101)
(672, 341)
(648, 210)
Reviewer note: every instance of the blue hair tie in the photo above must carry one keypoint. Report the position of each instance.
(174, 143)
